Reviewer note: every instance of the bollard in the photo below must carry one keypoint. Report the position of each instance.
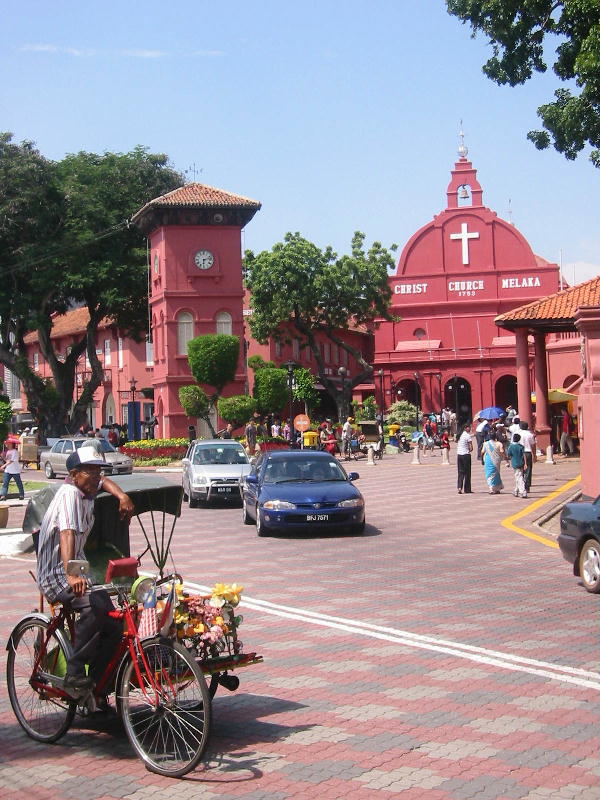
(550, 455)
(416, 455)
(370, 456)
(445, 459)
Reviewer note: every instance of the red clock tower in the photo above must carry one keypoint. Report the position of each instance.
(195, 285)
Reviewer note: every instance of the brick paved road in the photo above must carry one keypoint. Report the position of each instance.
(440, 656)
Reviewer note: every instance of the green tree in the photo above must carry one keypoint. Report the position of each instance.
(196, 403)
(521, 32)
(319, 292)
(65, 241)
(236, 409)
(213, 360)
(270, 390)
(6, 413)
(304, 388)
(258, 362)
(402, 412)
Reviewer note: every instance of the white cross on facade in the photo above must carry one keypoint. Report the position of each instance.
(464, 236)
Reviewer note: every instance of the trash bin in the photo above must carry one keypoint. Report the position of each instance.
(310, 438)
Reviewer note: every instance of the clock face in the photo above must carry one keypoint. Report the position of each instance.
(204, 259)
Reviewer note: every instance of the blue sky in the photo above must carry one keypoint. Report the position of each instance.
(337, 116)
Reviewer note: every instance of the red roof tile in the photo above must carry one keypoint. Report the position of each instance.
(198, 195)
(71, 323)
(556, 307)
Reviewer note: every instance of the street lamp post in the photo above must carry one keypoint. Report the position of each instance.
(417, 403)
(290, 365)
(133, 420)
(380, 372)
(342, 372)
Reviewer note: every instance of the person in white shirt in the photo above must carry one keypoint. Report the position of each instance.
(514, 427)
(529, 443)
(12, 471)
(464, 448)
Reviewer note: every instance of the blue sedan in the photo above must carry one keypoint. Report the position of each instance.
(291, 490)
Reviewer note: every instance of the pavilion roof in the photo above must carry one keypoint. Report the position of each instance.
(555, 312)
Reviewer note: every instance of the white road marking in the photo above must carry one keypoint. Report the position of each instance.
(545, 669)
(481, 655)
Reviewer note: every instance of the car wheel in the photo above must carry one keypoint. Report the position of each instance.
(193, 502)
(260, 526)
(589, 565)
(358, 530)
(48, 470)
(246, 518)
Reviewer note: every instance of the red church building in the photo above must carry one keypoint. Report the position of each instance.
(455, 275)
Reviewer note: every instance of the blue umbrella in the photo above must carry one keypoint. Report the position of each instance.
(493, 412)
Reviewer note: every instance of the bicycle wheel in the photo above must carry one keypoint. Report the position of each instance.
(166, 708)
(42, 715)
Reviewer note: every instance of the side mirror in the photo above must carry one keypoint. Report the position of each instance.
(353, 476)
(252, 479)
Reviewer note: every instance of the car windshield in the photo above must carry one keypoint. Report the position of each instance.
(308, 469)
(221, 454)
(106, 446)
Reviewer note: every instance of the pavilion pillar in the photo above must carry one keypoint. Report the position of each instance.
(542, 424)
(523, 381)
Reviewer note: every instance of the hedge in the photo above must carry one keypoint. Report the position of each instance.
(152, 449)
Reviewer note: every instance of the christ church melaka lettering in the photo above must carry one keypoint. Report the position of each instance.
(465, 288)
(410, 288)
(526, 282)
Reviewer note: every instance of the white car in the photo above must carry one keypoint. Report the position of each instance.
(213, 470)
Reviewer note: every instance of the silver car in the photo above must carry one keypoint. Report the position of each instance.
(213, 469)
(54, 461)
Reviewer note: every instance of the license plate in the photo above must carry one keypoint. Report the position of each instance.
(317, 517)
(225, 489)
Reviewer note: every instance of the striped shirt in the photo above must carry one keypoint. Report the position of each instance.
(70, 509)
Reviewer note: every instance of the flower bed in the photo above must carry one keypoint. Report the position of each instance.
(146, 450)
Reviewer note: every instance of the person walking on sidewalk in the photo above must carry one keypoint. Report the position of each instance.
(516, 457)
(529, 443)
(464, 449)
(12, 471)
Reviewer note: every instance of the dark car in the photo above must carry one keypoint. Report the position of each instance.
(290, 490)
(579, 541)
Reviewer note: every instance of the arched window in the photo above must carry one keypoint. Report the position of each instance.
(223, 320)
(185, 331)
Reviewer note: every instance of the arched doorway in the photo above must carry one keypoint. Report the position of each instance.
(505, 392)
(110, 410)
(408, 390)
(457, 396)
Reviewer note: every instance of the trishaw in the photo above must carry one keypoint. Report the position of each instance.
(176, 648)
(371, 436)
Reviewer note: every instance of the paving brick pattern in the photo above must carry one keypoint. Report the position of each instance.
(335, 712)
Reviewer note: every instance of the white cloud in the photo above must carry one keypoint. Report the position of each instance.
(53, 48)
(142, 53)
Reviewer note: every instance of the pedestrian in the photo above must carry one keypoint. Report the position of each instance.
(567, 445)
(287, 431)
(347, 436)
(445, 442)
(453, 425)
(516, 457)
(529, 443)
(276, 428)
(251, 434)
(511, 413)
(481, 434)
(464, 448)
(493, 455)
(12, 471)
(514, 427)
(228, 432)
(113, 436)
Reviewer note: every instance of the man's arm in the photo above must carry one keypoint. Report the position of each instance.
(67, 552)
(126, 507)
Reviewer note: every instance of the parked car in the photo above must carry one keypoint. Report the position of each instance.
(579, 541)
(213, 469)
(291, 490)
(54, 460)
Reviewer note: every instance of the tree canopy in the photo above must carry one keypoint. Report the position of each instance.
(316, 291)
(521, 33)
(65, 242)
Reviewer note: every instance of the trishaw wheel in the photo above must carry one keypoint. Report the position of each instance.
(43, 716)
(165, 706)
